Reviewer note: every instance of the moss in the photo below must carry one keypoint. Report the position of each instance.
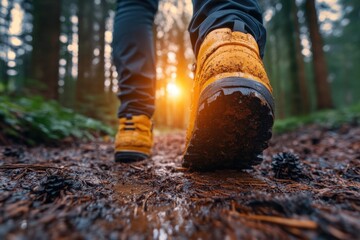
(328, 118)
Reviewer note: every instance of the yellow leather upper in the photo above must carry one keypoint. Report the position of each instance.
(225, 53)
(134, 134)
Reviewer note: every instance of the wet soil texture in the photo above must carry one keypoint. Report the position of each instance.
(78, 192)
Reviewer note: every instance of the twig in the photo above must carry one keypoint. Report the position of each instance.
(136, 168)
(220, 193)
(289, 222)
(144, 207)
(21, 175)
(33, 166)
(181, 169)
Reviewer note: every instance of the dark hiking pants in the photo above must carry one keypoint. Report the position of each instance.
(134, 48)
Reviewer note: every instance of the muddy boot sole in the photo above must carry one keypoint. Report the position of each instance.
(233, 125)
(129, 157)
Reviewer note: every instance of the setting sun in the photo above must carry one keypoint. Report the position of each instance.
(173, 90)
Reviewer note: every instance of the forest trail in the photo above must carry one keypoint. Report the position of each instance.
(79, 192)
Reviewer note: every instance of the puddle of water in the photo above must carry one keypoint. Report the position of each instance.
(126, 190)
(168, 210)
(227, 178)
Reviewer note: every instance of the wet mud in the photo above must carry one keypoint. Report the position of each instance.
(78, 192)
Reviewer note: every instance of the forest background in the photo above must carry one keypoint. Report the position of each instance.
(61, 51)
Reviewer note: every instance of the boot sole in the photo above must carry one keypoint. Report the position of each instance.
(129, 156)
(233, 125)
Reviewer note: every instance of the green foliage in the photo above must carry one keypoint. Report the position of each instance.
(33, 121)
(328, 118)
(2, 87)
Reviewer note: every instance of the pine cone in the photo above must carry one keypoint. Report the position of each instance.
(286, 165)
(53, 185)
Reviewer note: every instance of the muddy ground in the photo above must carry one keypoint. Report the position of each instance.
(78, 192)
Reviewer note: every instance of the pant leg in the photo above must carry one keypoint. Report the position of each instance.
(134, 55)
(239, 15)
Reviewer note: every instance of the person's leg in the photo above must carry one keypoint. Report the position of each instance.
(134, 56)
(232, 109)
(239, 15)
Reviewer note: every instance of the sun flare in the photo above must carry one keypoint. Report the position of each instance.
(173, 90)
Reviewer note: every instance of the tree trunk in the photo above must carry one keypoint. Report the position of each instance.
(161, 113)
(86, 41)
(280, 89)
(98, 81)
(289, 37)
(67, 96)
(301, 76)
(69, 83)
(323, 92)
(5, 47)
(90, 90)
(46, 46)
(97, 90)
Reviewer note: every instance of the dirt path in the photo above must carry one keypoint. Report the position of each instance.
(78, 192)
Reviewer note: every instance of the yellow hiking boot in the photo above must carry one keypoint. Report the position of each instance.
(133, 141)
(232, 106)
